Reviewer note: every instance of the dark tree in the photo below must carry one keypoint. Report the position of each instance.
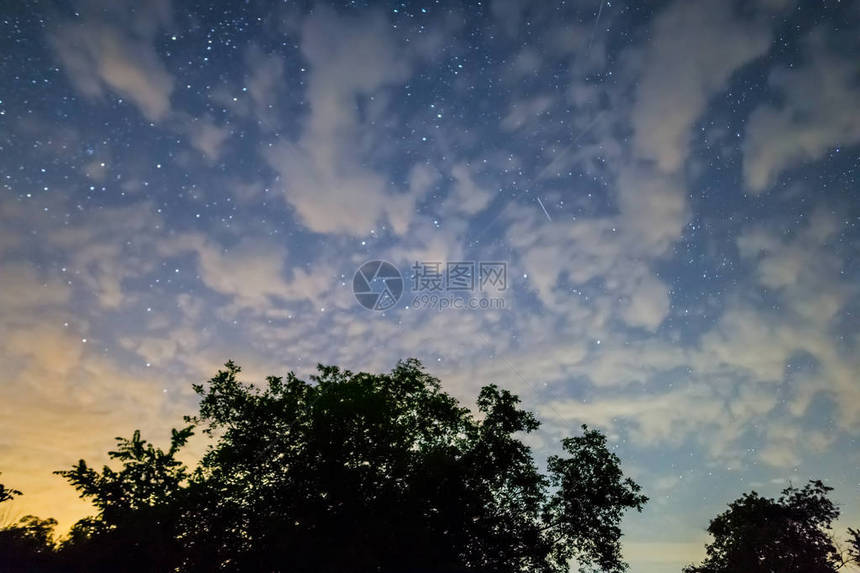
(591, 493)
(854, 545)
(28, 544)
(139, 506)
(353, 473)
(363, 472)
(786, 535)
(7, 494)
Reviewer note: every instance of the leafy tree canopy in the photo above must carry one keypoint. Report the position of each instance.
(28, 544)
(357, 472)
(139, 507)
(7, 494)
(786, 535)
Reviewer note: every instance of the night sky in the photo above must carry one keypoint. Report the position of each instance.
(671, 187)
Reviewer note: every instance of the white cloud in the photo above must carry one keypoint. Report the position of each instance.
(663, 418)
(695, 48)
(105, 248)
(653, 210)
(207, 137)
(617, 249)
(649, 303)
(265, 84)
(253, 273)
(467, 196)
(737, 380)
(818, 112)
(803, 269)
(524, 111)
(323, 174)
(111, 48)
(526, 62)
(21, 288)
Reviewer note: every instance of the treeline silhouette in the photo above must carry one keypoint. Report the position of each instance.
(791, 534)
(358, 472)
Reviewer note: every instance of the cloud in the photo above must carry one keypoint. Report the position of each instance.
(649, 303)
(323, 174)
(422, 178)
(252, 273)
(21, 288)
(524, 111)
(207, 137)
(818, 112)
(653, 209)
(810, 295)
(689, 51)
(660, 418)
(805, 272)
(616, 249)
(265, 83)
(507, 14)
(735, 380)
(696, 46)
(329, 195)
(105, 248)
(467, 197)
(110, 48)
(526, 62)
(98, 250)
(802, 269)
(695, 49)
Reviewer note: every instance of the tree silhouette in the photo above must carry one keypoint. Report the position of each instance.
(854, 545)
(28, 544)
(787, 535)
(363, 472)
(352, 473)
(7, 494)
(139, 505)
(358, 472)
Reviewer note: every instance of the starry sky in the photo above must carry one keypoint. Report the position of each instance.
(672, 187)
